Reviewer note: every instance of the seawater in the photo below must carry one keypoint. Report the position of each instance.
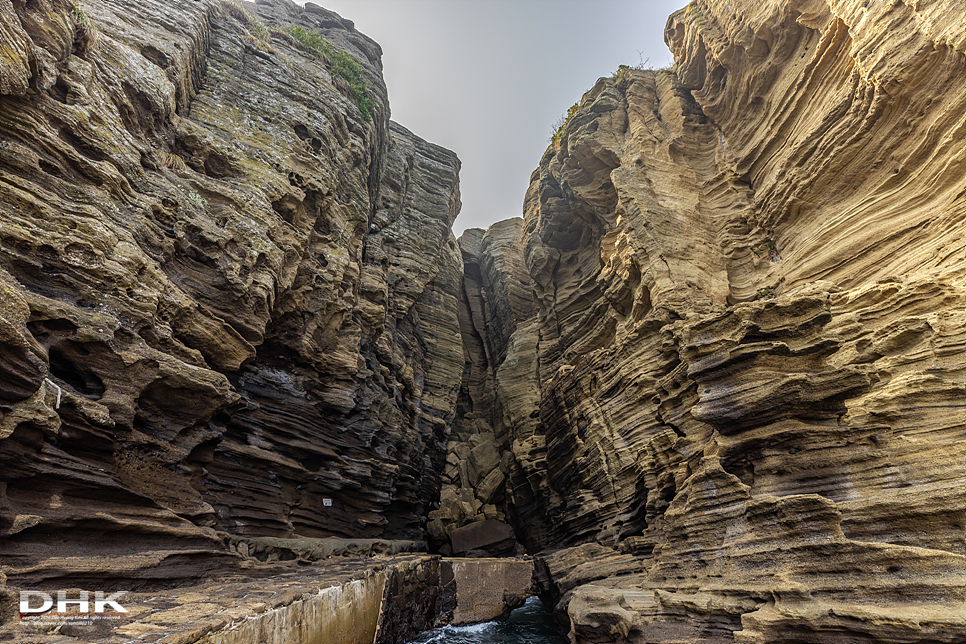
(532, 623)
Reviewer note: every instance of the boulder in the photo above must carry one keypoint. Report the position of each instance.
(491, 487)
(483, 459)
(598, 615)
(495, 537)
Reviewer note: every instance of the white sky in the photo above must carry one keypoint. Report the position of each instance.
(488, 78)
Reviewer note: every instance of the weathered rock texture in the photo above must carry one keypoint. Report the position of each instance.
(489, 588)
(719, 368)
(498, 400)
(377, 600)
(228, 298)
(743, 363)
(350, 601)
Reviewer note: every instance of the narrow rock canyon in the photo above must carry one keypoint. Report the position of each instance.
(713, 380)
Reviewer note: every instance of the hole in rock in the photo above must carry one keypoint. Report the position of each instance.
(218, 166)
(667, 494)
(288, 208)
(156, 56)
(84, 147)
(59, 90)
(743, 469)
(66, 362)
(41, 329)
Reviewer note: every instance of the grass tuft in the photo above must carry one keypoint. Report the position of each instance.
(260, 36)
(86, 34)
(345, 70)
(171, 161)
(561, 123)
(622, 76)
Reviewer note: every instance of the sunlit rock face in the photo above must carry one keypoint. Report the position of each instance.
(229, 299)
(747, 344)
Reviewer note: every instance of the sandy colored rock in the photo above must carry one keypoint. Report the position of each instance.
(600, 615)
(229, 298)
(742, 363)
(483, 459)
(498, 326)
(491, 485)
(492, 536)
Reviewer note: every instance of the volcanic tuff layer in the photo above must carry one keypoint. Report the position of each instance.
(717, 372)
(740, 380)
(227, 295)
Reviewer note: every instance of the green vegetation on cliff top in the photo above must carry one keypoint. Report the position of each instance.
(345, 70)
(342, 66)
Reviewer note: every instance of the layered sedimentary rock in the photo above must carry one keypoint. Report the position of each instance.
(494, 463)
(717, 373)
(229, 289)
(747, 339)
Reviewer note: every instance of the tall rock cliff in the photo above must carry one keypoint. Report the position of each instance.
(737, 391)
(717, 373)
(229, 288)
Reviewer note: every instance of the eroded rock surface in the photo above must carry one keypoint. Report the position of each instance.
(493, 464)
(746, 340)
(229, 299)
(717, 373)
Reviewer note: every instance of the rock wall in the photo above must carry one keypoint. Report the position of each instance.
(746, 342)
(717, 372)
(229, 294)
(495, 462)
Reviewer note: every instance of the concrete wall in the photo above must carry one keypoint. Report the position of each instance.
(345, 614)
(488, 588)
(413, 601)
(390, 605)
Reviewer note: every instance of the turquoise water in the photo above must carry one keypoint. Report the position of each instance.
(532, 623)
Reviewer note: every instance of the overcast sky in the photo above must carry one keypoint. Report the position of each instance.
(488, 78)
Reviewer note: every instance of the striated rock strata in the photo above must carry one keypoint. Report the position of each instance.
(478, 480)
(229, 296)
(738, 377)
(717, 373)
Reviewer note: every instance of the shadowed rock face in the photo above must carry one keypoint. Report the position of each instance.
(719, 366)
(242, 292)
(746, 342)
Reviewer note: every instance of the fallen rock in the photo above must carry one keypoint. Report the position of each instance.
(483, 459)
(489, 588)
(491, 487)
(495, 537)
